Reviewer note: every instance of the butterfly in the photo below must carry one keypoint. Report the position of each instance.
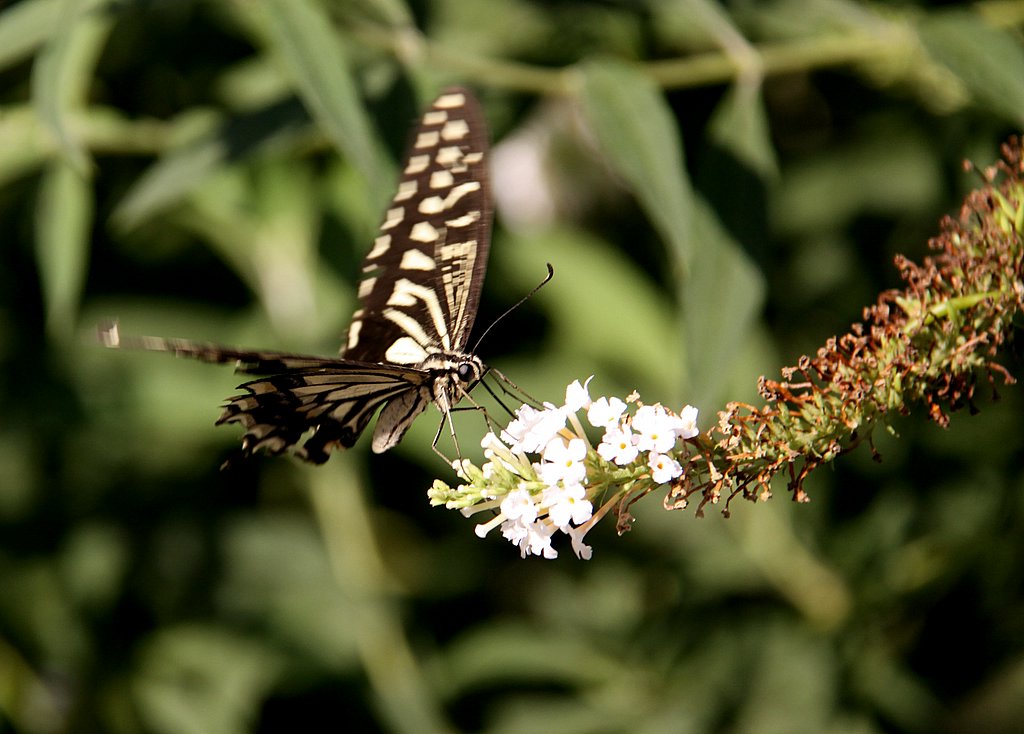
(418, 296)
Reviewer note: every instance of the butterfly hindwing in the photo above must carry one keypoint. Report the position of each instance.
(335, 403)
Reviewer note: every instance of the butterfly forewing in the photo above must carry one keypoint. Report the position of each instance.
(418, 298)
(421, 280)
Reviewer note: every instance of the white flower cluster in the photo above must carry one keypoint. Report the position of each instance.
(537, 498)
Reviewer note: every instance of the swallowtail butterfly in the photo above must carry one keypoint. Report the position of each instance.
(407, 343)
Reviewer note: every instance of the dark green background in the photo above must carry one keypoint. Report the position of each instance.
(215, 170)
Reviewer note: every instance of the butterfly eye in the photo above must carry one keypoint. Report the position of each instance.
(466, 372)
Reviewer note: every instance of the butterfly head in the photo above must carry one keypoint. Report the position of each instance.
(456, 374)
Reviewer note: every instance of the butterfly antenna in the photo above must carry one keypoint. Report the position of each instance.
(517, 304)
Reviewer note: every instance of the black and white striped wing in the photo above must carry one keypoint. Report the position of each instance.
(419, 291)
(332, 403)
(332, 400)
(421, 280)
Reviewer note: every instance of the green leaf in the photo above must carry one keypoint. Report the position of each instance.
(263, 221)
(301, 34)
(63, 222)
(989, 61)
(636, 131)
(394, 13)
(26, 146)
(63, 71)
(721, 301)
(202, 678)
(24, 26)
(889, 168)
(185, 168)
(740, 125)
(596, 283)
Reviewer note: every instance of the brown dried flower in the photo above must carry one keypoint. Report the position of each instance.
(927, 344)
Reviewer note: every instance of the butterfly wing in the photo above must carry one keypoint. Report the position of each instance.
(421, 280)
(332, 400)
(333, 403)
(419, 292)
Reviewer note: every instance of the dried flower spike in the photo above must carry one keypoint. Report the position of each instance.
(926, 344)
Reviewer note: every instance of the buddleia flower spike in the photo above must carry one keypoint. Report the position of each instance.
(544, 475)
(929, 344)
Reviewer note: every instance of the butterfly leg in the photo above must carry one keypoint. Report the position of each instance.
(446, 418)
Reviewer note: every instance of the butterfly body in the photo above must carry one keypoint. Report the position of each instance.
(406, 346)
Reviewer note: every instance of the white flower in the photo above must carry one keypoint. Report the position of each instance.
(567, 504)
(656, 427)
(490, 442)
(483, 528)
(513, 531)
(605, 412)
(663, 468)
(581, 549)
(533, 538)
(501, 459)
(563, 462)
(617, 445)
(577, 396)
(518, 506)
(532, 429)
(539, 540)
(687, 424)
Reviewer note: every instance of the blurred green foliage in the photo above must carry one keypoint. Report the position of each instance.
(719, 189)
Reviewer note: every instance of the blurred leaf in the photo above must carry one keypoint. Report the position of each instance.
(405, 695)
(63, 225)
(605, 312)
(18, 475)
(26, 145)
(997, 705)
(988, 60)
(483, 27)
(684, 25)
(24, 26)
(312, 52)
(506, 653)
(889, 168)
(636, 131)
(724, 278)
(880, 675)
(93, 563)
(785, 19)
(392, 12)
(254, 82)
(596, 604)
(194, 680)
(63, 71)
(37, 611)
(276, 572)
(263, 221)
(740, 126)
(26, 700)
(183, 169)
(772, 704)
(544, 713)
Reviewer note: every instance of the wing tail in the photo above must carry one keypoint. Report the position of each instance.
(249, 361)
